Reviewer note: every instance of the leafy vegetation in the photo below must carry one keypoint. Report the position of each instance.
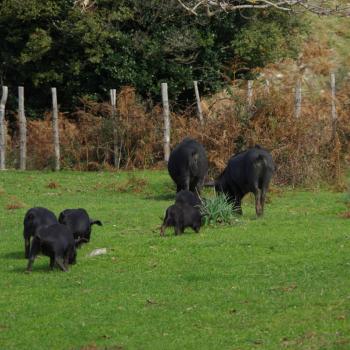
(279, 282)
(218, 210)
(139, 43)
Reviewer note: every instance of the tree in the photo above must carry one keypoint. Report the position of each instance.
(319, 7)
(86, 47)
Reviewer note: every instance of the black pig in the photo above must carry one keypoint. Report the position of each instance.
(248, 171)
(187, 197)
(188, 165)
(35, 219)
(57, 242)
(181, 216)
(79, 222)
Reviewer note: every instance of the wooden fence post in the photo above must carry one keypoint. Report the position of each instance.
(3, 131)
(22, 130)
(335, 137)
(166, 113)
(334, 107)
(297, 100)
(55, 129)
(199, 107)
(113, 93)
(250, 97)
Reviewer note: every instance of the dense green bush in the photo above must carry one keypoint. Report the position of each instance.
(132, 42)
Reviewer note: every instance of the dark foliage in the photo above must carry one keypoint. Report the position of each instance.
(139, 43)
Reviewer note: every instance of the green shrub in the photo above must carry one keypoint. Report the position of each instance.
(218, 209)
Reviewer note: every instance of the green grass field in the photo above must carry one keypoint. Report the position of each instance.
(280, 282)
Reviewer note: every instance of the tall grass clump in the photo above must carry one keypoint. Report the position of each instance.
(218, 210)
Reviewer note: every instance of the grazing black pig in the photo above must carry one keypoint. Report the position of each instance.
(181, 216)
(188, 165)
(35, 219)
(79, 222)
(248, 171)
(57, 242)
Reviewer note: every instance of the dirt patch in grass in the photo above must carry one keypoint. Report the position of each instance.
(3, 327)
(342, 341)
(345, 215)
(95, 347)
(289, 288)
(14, 203)
(53, 185)
(131, 185)
(312, 339)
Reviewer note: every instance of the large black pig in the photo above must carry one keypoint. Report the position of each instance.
(188, 165)
(248, 171)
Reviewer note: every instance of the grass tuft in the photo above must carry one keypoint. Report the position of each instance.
(131, 185)
(218, 210)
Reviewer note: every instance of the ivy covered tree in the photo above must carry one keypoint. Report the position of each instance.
(87, 47)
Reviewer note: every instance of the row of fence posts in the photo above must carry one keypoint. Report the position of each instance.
(298, 103)
(166, 114)
(117, 148)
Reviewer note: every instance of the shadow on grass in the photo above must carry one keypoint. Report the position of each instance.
(14, 255)
(40, 268)
(162, 197)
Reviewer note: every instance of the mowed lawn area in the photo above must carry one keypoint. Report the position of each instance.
(279, 282)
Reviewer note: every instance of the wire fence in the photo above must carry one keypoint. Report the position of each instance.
(123, 134)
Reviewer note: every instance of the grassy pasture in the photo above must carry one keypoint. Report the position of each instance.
(280, 282)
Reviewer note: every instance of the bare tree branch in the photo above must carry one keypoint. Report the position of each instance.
(193, 9)
(84, 5)
(319, 7)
